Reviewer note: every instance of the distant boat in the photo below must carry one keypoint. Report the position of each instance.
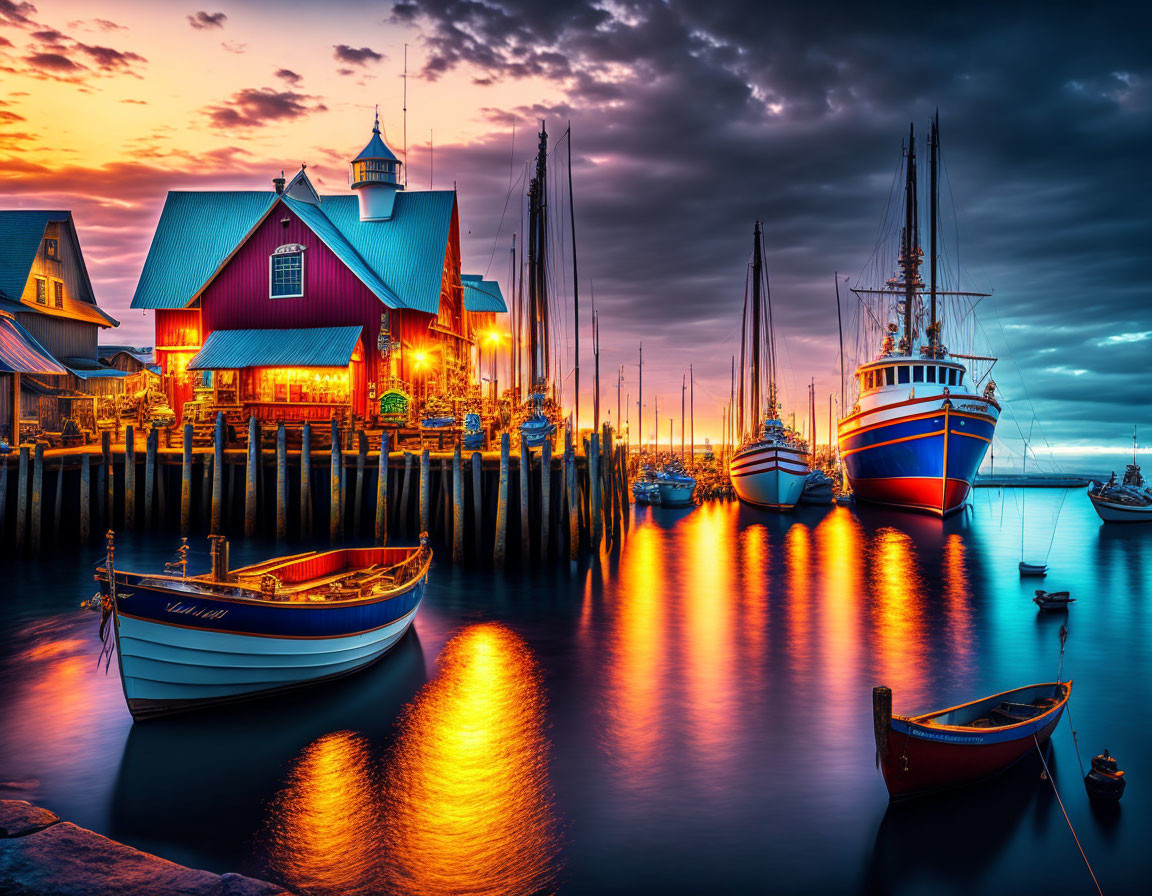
(817, 489)
(770, 466)
(186, 642)
(963, 744)
(1129, 501)
(920, 429)
(1053, 600)
(676, 486)
(1033, 569)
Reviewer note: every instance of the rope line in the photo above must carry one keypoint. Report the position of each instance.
(1066, 818)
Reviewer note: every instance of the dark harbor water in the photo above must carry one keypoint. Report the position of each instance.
(691, 714)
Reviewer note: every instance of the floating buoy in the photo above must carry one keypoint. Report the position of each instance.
(1105, 781)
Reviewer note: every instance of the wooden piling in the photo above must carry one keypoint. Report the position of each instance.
(545, 500)
(129, 477)
(525, 525)
(361, 461)
(37, 494)
(443, 511)
(625, 496)
(4, 492)
(334, 483)
(217, 473)
(425, 476)
(306, 481)
(22, 498)
(382, 493)
(498, 548)
(477, 504)
(404, 492)
(281, 482)
(252, 471)
(186, 482)
(595, 504)
(85, 497)
(104, 480)
(457, 508)
(58, 503)
(151, 441)
(573, 504)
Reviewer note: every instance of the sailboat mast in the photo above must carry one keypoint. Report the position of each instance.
(539, 337)
(771, 342)
(933, 198)
(757, 264)
(576, 289)
(908, 260)
(640, 400)
(840, 330)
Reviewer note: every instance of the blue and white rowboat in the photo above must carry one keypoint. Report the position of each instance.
(187, 642)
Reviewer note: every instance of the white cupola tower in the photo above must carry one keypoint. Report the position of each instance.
(375, 177)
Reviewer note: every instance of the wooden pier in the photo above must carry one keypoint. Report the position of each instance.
(492, 508)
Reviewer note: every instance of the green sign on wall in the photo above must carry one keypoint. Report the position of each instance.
(394, 405)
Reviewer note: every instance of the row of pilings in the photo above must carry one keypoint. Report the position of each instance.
(489, 507)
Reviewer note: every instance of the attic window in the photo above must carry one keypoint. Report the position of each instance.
(41, 291)
(51, 249)
(286, 272)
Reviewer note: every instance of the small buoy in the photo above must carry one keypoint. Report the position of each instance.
(1043, 776)
(1105, 781)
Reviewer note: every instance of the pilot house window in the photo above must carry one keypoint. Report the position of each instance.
(286, 272)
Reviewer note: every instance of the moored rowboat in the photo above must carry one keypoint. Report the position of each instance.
(186, 642)
(963, 744)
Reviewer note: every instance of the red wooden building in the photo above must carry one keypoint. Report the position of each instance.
(289, 305)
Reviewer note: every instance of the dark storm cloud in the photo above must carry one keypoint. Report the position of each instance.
(256, 107)
(692, 118)
(203, 20)
(354, 56)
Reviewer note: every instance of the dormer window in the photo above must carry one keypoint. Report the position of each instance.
(286, 272)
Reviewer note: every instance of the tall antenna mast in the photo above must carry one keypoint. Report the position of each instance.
(405, 115)
(908, 256)
(575, 282)
(933, 153)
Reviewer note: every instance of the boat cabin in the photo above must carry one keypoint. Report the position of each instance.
(889, 372)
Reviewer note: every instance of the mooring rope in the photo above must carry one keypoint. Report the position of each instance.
(1059, 801)
(1075, 740)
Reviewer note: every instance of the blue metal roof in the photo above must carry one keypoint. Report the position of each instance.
(318, 223)
(376, 149)
(401, 260)
(315, 347)
(195, 234)
(21, 353)
(21, 231)
(482, 295)
(408, 249)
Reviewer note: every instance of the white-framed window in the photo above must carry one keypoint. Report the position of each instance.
(286, 272)
(58, 293)
(41, 291)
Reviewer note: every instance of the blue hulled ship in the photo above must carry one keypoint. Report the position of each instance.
(921, 426)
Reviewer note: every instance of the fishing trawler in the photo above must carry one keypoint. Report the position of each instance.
(1127, 501)
(187, 642)
(770, 467)
(921, 426)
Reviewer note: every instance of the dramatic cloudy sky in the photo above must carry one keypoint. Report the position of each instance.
(691, 118)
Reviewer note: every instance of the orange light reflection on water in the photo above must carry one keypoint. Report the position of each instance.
(708, 630)
(839, 545)
(898, 632)
(957, 601)
(468, 807)
(797, 575)
(636, 664)
(325, 834)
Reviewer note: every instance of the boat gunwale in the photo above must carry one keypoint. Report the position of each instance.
(951, 396)
(162, 582)
(919, 720)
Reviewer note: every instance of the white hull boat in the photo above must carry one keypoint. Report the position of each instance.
(768, 475)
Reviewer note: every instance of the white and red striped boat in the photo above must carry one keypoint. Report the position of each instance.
(770, 470)
(770, 466)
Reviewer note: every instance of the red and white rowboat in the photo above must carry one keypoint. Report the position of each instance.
(963, 744)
